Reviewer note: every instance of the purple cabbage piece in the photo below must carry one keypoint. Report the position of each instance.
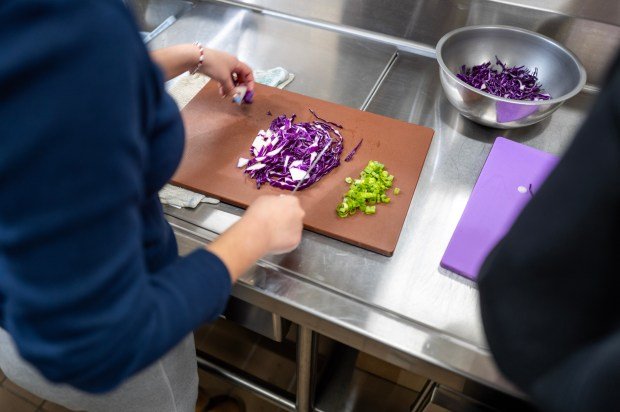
(517, 83)
(323, 120)
(296, 142)
(249, 97)
(349, 157)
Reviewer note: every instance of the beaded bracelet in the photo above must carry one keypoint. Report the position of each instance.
(201, 59)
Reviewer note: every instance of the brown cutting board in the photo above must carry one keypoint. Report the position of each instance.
(219, 132)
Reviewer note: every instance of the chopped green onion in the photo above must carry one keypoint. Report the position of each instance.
(396, 191)
(364, 193)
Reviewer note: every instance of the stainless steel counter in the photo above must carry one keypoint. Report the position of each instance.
(404, 309)
(398, 17)
(591, 31)
(327, 65)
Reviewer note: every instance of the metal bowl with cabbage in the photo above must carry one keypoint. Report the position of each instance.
(559, 72)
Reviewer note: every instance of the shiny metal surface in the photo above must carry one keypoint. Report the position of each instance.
(559, 71)
(241, 379)
(402, 309)
(424, 398)
(397, 340)
(326, 64)
(393, 17)
(346, 388)
(379, 81)
(607, 11)
(151, 13)
(446, 400)
(455, 159)
(398, 42)
(256, 319)
(306, 368)
(424, 22)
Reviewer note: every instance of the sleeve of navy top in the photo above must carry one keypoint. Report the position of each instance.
(78, 298)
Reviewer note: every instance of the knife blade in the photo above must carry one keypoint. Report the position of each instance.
(311, 167)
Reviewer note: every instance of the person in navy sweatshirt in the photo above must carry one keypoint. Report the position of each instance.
(96, 306)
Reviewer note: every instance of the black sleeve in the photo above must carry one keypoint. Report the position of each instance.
(549, 290)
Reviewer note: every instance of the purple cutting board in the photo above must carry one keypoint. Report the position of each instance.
(501, 192)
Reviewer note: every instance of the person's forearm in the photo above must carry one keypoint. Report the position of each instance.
(175, 60)
(239, 247)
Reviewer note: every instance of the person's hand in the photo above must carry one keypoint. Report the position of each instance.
(221, 67)
(271, 225)
(279, 219)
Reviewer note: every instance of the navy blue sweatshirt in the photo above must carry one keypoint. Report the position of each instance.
(91, 287)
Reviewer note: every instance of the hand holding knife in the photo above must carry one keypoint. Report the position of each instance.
(312, 166)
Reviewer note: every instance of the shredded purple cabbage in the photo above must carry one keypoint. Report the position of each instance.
(282, 154)
(349, 157)
(518, 83)
(325, 121)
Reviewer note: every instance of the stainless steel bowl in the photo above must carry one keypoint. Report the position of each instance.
(559, 71)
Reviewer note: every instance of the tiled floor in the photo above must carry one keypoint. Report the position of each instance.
(15, 399)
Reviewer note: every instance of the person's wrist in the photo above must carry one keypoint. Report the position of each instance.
(240, 246)
(199, 58)
(209, 59)
(257, 233)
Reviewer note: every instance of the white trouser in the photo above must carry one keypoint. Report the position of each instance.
(168, 385)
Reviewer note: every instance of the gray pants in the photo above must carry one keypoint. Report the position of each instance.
(168, 385)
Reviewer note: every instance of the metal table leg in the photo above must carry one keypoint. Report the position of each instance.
(306, 368)
(424, 397)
